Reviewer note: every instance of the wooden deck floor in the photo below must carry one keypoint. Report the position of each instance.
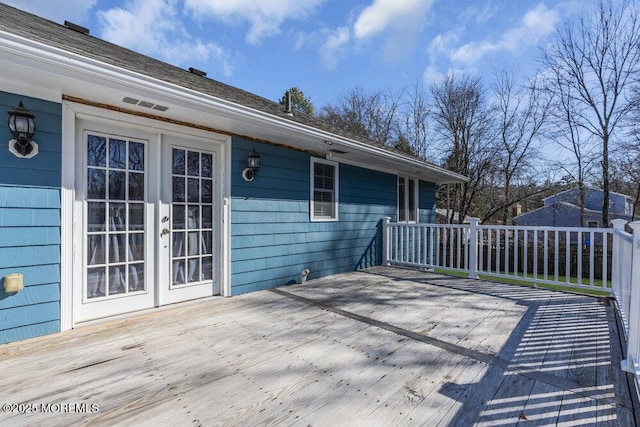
(382, 347)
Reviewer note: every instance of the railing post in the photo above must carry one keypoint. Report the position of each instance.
(386, 240)
(618, 224)
(633, 345)
(473, 247)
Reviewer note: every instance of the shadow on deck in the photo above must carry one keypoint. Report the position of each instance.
(378, 347)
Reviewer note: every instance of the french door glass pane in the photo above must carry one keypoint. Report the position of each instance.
(178, 189)
(96, 150)
(193, 162)
(115, 222)
(192, 234)
(96, 184)
(96, 216)
(117, 154)
(136, 156)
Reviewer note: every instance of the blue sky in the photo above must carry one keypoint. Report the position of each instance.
(324, 47)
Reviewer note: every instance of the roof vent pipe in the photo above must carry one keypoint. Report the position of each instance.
(197, 72)
(287, 103)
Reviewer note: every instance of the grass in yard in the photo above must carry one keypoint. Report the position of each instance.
(516, 281)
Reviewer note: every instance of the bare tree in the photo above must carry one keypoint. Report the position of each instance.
(626, 174)
(371, 116)
(597, 57)
(462, 122)
(414, 120)
(521, 111)
(568, 135)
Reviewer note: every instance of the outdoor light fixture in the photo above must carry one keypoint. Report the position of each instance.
(253, 164)
(23, 125)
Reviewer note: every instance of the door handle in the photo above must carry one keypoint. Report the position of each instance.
(164, 231)
(165, 218)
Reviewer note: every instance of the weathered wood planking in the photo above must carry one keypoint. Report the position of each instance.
(488, 357)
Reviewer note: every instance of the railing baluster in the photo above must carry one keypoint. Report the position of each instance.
(506, 252)
(579, 243)
(481, 245)
(592, 258)
(525, 254)
(535, 257)
(567, 261)
(556, 252)
(515, 252)
(451, 241)
(489, 251)
(605, 260)
(498, 251)
(546, 255)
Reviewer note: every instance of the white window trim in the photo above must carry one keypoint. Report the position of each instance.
(336, 181)
(416, 192)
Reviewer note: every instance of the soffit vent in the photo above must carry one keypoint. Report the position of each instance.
(145, 104)
(76, 27)
(334, 151)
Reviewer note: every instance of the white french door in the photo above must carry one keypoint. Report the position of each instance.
(190, 225)
(148, 219)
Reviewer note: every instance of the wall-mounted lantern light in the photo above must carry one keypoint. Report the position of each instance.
(253, 164)
(23, 126)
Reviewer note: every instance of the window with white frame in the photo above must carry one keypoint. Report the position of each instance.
(407, 199)
(324, 190)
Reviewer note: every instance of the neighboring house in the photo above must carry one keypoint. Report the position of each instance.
(563, 209)
(137, 191)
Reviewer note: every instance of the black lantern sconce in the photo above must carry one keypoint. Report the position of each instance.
(253, 164)
(23, 126)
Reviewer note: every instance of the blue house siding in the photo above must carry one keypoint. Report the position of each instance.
(30, 225)
(426, 202)
(272, 237)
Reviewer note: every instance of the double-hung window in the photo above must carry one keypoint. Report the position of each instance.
(324, 190)
(407, 199)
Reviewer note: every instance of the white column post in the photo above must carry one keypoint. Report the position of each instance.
(473, 247)
(386, 240)
(633, 346)
(618, 224)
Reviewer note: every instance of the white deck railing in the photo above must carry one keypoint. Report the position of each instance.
(626, 289)
(600, 259)
(569, 256)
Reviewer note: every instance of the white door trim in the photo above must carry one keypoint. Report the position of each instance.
(71, 225)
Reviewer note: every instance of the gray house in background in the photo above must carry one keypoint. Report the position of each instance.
(563, 209)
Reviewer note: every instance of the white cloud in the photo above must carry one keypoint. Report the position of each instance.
(535, 25)
(443, 43)
(264, 17)
(541, 21)
(399, 20)
(76, 11)
(333, 46)
(382, 14)
(153, 27)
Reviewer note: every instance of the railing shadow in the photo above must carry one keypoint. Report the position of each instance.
(561, 363)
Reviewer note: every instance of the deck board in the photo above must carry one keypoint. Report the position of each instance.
(382, 346)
